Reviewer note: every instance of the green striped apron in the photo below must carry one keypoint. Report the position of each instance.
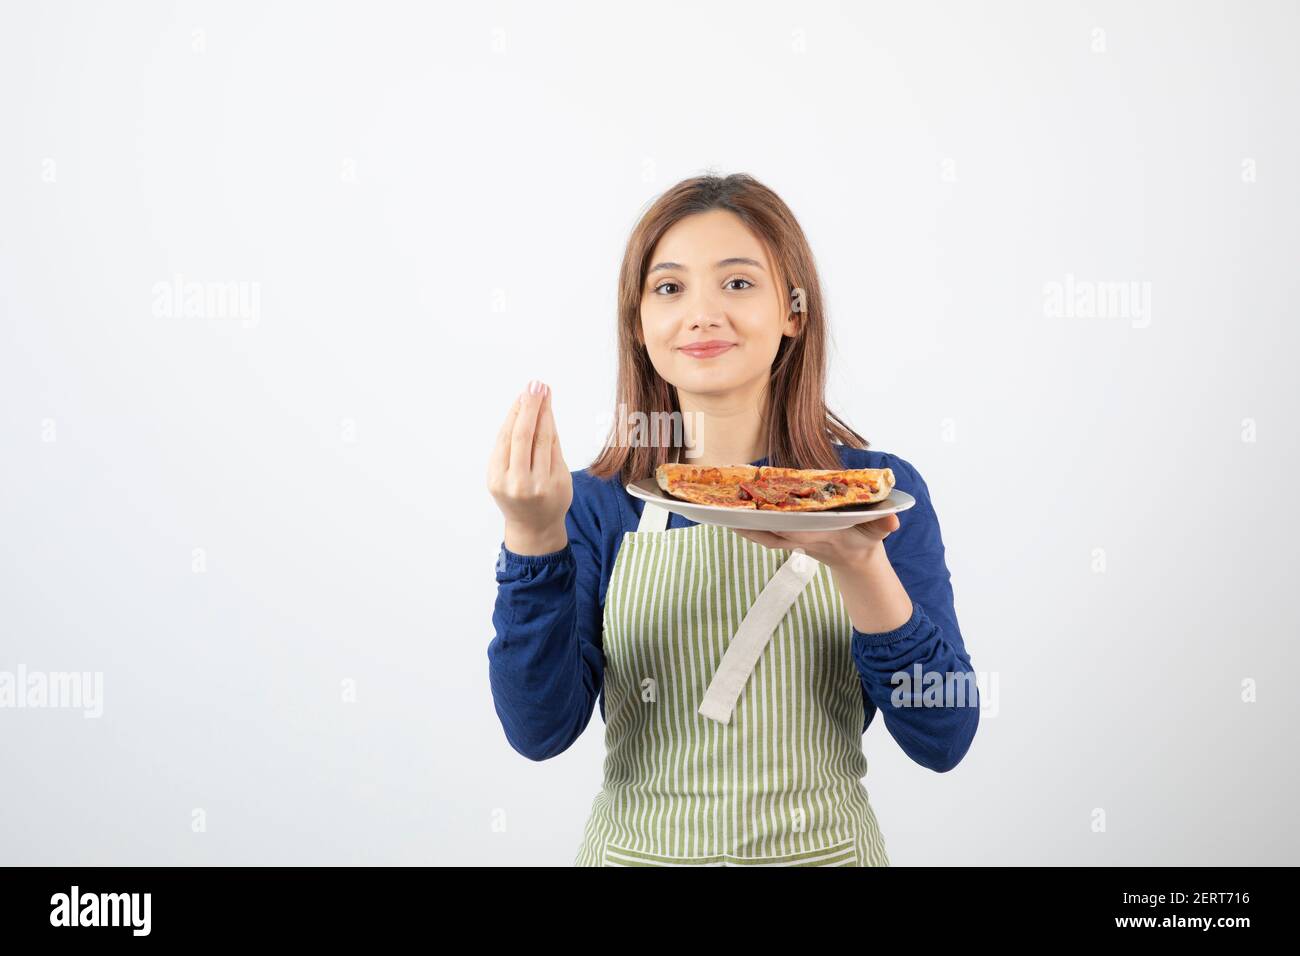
(733, 709)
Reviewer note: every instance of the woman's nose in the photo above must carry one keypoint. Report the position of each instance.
(704, 304)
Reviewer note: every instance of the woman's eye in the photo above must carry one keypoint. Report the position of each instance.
(671, 288)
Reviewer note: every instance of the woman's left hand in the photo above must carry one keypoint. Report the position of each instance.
(847, 548)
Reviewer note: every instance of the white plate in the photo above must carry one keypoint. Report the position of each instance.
(647, 489)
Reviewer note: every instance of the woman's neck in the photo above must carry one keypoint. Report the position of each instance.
(723, 429)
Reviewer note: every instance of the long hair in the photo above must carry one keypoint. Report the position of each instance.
(800, 430)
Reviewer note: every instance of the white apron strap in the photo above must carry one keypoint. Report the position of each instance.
(755, 631)
(653, 518)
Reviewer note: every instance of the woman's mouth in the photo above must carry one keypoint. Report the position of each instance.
(707, 350)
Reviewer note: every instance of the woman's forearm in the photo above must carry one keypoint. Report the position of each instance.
(873, 595)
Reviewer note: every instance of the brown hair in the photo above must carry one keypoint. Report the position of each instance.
(801, 431)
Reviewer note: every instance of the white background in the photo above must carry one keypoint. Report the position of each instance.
(433, 205)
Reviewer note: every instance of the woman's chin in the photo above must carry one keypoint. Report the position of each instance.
(709, 384)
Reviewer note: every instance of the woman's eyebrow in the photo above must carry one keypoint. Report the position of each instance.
(733, 261)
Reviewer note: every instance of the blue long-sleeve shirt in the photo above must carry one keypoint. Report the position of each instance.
(546, 665)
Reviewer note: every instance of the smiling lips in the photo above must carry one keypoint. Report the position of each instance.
(707, 350)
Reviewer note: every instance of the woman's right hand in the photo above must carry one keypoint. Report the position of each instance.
(528, 477)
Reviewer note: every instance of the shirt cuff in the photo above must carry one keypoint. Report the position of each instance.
(914, 624)
(508, 560)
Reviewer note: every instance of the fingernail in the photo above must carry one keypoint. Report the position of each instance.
(535, 387)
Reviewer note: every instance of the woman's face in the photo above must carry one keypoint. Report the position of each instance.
(710, 284)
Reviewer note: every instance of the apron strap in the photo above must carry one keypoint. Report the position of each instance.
(653, 517)
(755, 631)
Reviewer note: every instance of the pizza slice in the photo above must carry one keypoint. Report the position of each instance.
(768, 488)
(718, 486)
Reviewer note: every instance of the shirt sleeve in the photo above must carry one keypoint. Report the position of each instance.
(545, 662)
(919, 675)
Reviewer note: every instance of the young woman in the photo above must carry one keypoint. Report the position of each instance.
(601, 596)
